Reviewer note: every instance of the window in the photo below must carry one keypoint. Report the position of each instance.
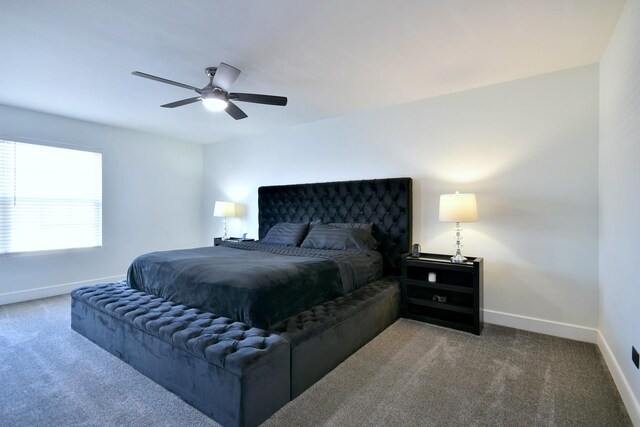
(50, 198)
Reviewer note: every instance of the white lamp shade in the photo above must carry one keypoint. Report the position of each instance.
(458, 208)
(224, 209)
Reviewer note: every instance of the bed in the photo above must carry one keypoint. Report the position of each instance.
(242, 357)
(252, 282)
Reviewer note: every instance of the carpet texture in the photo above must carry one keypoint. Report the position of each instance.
(412, 374)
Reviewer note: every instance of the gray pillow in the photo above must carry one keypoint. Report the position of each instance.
(324, 236)
(313, 224)
(285, 233)
(368, 227)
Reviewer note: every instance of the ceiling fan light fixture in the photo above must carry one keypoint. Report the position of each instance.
(213, 103)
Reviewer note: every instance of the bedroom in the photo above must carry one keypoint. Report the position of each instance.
(529, 105)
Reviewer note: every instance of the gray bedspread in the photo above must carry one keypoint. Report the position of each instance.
(252, 282)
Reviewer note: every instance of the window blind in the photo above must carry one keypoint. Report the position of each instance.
(50, 198)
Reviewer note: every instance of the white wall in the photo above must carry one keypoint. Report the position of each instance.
(528, 148)
(620, 202)
(152, 200)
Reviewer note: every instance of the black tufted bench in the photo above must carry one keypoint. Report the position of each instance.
(236, 374)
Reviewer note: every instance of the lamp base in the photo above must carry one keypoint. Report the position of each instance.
(226, 229)
(458, 258)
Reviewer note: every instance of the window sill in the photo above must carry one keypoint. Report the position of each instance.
(50, 252)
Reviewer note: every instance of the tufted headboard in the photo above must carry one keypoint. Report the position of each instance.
(384, 202)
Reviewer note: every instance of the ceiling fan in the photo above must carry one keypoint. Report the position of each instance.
(216, 96)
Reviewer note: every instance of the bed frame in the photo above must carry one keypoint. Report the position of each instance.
(239, 375)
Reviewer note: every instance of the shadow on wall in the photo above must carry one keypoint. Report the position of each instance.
(537, 230)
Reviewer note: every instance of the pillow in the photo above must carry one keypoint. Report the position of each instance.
(324, 236)
(313, 224)
(285, 233)
(368, 227)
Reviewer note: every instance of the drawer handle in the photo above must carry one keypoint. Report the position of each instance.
(438, 298)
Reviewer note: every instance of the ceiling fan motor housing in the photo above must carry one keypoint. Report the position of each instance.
(214, 92)
(210, 71)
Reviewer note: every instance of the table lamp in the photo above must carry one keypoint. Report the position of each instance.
(458, 208)
(225, 210)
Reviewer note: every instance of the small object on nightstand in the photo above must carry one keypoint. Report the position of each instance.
(438, 298)
(455, 300)
(415, 250)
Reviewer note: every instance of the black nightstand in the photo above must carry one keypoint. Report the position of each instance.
(218, 240)
(452, 299)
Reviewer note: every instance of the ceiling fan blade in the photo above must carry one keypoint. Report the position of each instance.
(182, 102)
(225, 76)
(235, 112)
(167, 81)
(259, 99)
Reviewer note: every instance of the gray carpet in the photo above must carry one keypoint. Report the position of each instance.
(412, 375)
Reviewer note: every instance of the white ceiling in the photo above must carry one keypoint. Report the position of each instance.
(330, 57)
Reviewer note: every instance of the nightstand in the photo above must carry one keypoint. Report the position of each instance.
(218, 240)
(437, 291)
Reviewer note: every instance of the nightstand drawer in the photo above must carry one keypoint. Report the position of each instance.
(449, 319)
(440, 286)
(420, 272)
(444, 300)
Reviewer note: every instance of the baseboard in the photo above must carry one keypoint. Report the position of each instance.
(50, 291)
(629, 399)
(579, 333)
(548, 327)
